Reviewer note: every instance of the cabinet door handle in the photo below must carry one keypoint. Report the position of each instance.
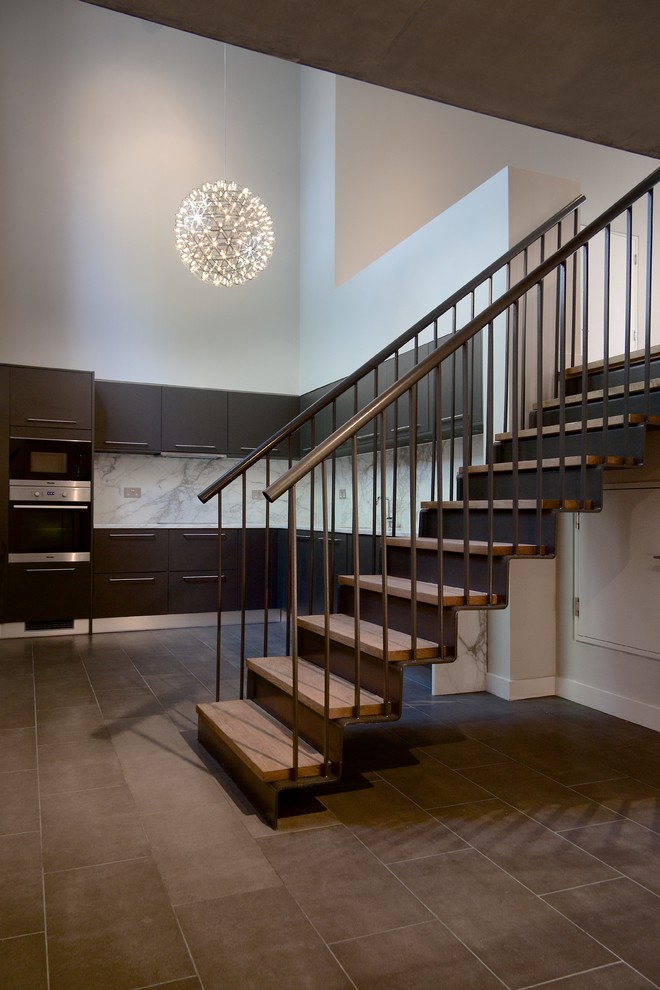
(303, 539)
(47, 570)
(656, 556)
(203, 578)
(134, 580)
(399, 428)
(203, 536)
(41, 419)
(128, 443)
(132, 536)
(196, 446)
(320, 539)
(50, 505)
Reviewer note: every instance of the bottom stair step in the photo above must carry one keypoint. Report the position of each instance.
(311, 687)
(262, 743)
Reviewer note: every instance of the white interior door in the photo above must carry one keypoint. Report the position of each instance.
(617, 296)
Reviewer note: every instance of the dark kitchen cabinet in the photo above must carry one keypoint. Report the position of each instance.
(254, 417)
(47, 592)
(310, 566)
(130, 572)
(4, 466)
(193, 573)
(194, 420)
(51, 399)
(127, 417)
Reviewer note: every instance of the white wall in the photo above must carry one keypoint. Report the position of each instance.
(107, 123)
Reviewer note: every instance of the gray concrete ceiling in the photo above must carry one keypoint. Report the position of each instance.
(586, 68)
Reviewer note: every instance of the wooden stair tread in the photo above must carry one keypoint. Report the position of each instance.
(578, 426)
(311, 687)
(342, 630)
(549, 463)
(259, 740)
(614, 392)
(617, 361)
(426, 592)
(476, 547)
(507, 505)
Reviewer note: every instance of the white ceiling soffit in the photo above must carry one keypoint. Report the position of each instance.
(586, 68)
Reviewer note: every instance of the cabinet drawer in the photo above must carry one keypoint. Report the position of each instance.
(47, 592)
(130, 550)
(198, 549)
(197, 591)
(130, 594)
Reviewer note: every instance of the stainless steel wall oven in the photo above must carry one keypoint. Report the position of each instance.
(49, 522)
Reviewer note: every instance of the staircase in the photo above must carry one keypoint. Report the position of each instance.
(566, 427)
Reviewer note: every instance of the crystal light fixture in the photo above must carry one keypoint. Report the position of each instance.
(223, 232)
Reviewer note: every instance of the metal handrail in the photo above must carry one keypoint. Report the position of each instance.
(286, 432)
(381, 402)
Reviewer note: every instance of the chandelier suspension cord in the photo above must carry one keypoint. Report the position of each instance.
(224, 109)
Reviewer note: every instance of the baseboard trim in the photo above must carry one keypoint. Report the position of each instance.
(629, 709)
(517, 690)
(188, 620)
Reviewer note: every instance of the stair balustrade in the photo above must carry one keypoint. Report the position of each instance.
(430, 468)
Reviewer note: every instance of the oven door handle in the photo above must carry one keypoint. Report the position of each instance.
(50, 505)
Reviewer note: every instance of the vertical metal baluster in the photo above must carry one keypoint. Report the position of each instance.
(267, 560)
(326, 619)
(412, 408)
(523, 315)
(585, 376)
(561, 324)
(648, 301)
(559, 368)
(395, 450)
(243, 570)
(539, 411)
(452, 416)
(507, 361)
(627, 331)
(466, 472)
(432, 400)
(489, 440)
(439, 513)
(374, 480)
(515, 481)
(383, 555)
(219, 631)
(606, 337)
(356, 571)
(294, 628)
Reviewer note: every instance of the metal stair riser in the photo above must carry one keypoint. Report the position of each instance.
(398, 564)
(399, 615)
(454, 524)
(342, 663)
(616, 406)
(618, 445)
(279, 703)
(571, 488)
(616, 376)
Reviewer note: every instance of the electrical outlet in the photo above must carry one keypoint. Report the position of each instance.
(342, 493)
(132, 493)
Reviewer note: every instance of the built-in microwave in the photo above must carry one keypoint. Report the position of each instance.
(32, 459)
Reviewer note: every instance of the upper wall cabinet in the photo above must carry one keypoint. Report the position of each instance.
(253, 418)
(194, 420)
(127, 418)
(46, 399)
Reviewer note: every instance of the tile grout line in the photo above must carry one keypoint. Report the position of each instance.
(41, 830)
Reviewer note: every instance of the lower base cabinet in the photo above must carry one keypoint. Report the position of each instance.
(47, 592)
(130, 594)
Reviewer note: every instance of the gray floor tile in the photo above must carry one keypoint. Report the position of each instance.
(621, 915)
(533, 854)
(111, 927)
(538, 796)
(84, 828)
(18, 749)
(203, 852)
(389, 824)
(616, 977)
(339, 885)
(140, 737)
(255, 940)
(425, 956)
(507, 927)
(17, 709)
(21, 894)
(23, 963)
(432, 785)
(628, 797)
(19, 802)
(128, 702)
(625, 846)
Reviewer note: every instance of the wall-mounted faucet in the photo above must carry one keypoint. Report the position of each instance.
(388, 503)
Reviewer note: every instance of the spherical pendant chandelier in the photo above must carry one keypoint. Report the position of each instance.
(224, 233)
